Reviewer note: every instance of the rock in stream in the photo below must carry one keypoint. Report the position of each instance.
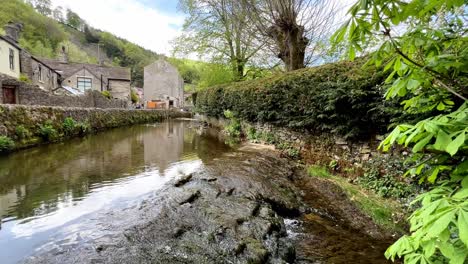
(232, 210)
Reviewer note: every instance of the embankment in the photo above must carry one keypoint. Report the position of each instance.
(25, 126)
(333, 116)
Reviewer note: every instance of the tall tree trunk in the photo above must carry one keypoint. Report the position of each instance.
(292, 44)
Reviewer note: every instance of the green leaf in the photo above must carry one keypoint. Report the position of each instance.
(463, 226)
(421, 144)
(440, 224)
(442, 141)
(453, 147)
(433, 176)
(461, 194)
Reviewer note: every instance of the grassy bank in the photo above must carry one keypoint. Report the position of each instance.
(385, 212)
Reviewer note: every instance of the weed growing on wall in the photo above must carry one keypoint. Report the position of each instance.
(6, 144)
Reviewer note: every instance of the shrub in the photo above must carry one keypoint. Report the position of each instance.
(24, 78)
(6, 144)
(69, 126)
(134, 97)
(341, 98)
(106, 94)
(47, 132)
(83, 128)
(22, 132)
(234, 127)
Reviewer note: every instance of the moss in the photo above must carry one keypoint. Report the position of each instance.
(319, 171)
(381, 210)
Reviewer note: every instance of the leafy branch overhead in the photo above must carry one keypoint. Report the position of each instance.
(424, 48)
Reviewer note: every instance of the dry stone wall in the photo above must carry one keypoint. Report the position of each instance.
(87, 120)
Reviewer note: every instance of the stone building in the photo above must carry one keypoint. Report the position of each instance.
(17, 62)
(163, 85)
(85, 76)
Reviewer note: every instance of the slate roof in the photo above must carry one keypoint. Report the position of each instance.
(69, 69)
(16, 45)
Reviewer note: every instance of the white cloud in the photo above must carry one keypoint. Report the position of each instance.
(129, 19)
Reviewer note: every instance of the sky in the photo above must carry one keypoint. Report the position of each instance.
(151, 24)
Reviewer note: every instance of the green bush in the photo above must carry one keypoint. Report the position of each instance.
(69, 126)
(48, 132)
(341, 98)
(234, 127)
(384, 176)
(83, 128)
(22, 132)
(134, 97)
(106, 94)
(6, 144)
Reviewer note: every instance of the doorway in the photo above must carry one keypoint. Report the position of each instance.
(9, 94)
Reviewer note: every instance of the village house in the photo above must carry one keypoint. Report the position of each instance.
(16, 62)
(163, 87)
(82, 77)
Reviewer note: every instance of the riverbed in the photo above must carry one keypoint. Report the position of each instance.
(171, 192)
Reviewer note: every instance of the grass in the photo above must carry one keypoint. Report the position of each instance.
(381, 210)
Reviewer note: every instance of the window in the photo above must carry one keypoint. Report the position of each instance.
(84, 83)
(40, 73)
(12, 59)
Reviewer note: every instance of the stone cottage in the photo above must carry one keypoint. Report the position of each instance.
(17, 62)
(163, 85)
(85, 76)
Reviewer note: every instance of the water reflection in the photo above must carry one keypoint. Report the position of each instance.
(45, 188)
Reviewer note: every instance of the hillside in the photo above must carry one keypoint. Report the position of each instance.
(44, 36)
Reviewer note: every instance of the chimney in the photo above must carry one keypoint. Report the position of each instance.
(63, 57)
(13, 30)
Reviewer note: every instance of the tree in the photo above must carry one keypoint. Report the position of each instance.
(297, 27)
(42, 6)
(57, 14)
(428, 67)
(74, 20)
(218, 30)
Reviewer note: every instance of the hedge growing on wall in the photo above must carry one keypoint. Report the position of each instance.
(343, 98)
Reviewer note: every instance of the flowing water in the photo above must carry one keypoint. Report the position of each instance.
(95, 187)
(47, 191)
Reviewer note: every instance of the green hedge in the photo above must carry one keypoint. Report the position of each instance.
(341, 98)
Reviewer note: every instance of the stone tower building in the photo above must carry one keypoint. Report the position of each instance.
(163, 85)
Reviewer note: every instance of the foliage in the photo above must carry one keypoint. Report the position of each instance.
(6, 144)
(318, 171)
(24, 78)
(234, 127)
(69, 126)
(74, 53)
(429, 66)
(47, 132)
(22, 132)
(340, 98)
(384, 175)
(106, 94)
(382, 211)
(44, 36)
(134, 97)
(214, 74)
(217, 31)
(40, 34)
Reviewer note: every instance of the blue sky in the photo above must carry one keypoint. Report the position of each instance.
(166, 6)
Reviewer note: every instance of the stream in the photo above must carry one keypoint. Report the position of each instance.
(169, 192)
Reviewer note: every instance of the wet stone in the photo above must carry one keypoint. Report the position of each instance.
(183, 180)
